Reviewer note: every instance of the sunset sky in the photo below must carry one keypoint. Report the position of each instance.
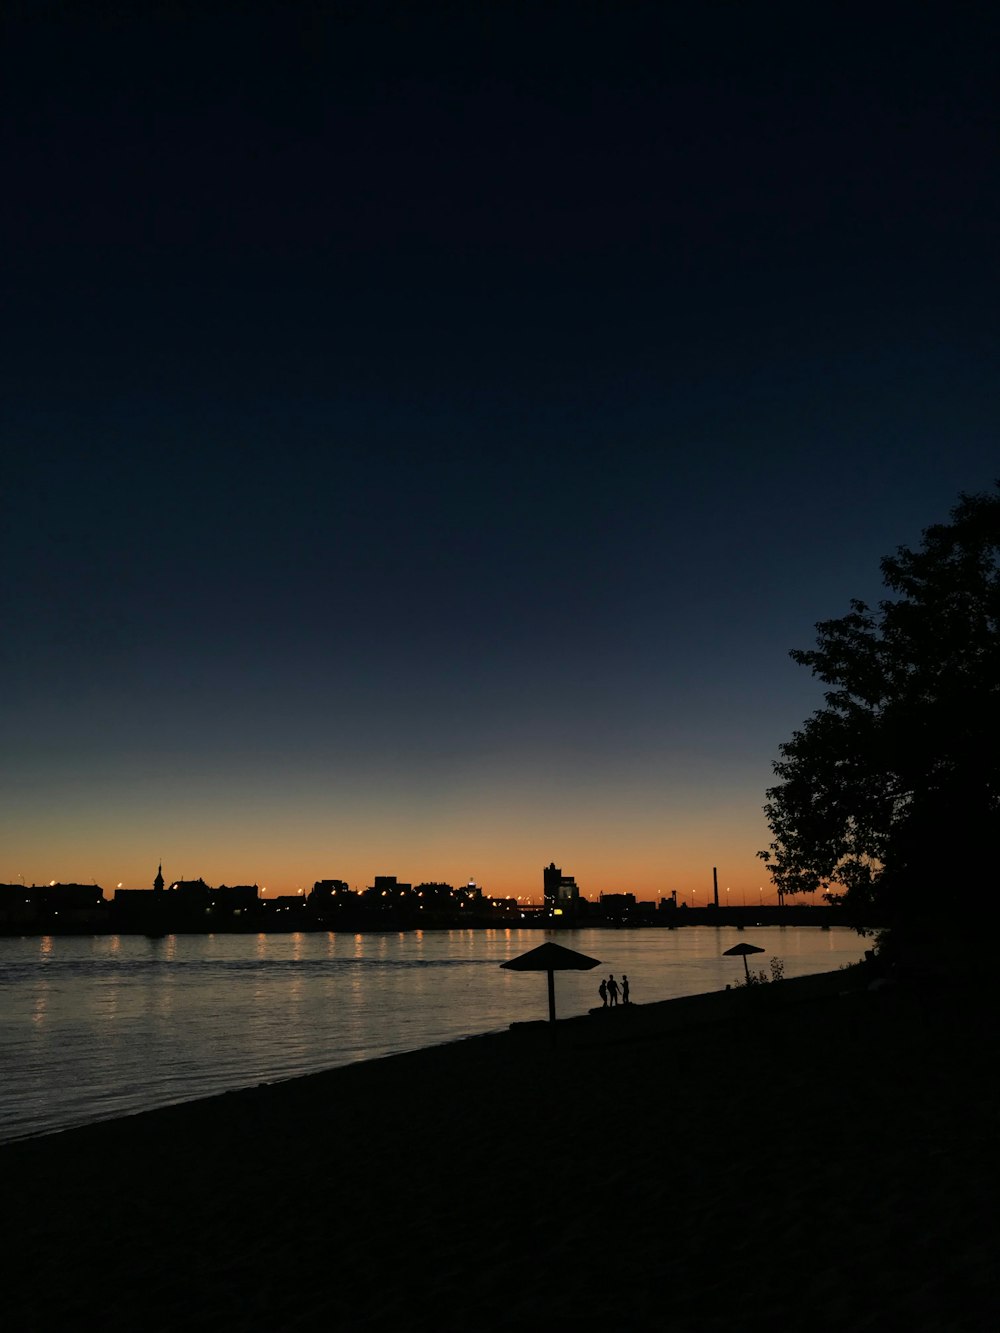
(426, 429)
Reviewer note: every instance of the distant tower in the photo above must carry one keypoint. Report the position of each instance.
(551, 879)
(158, 881)
(561, 891)
(715, 882)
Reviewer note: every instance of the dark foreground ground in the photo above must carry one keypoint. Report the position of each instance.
(801, 1157)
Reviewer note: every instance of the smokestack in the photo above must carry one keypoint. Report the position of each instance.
(715, 881)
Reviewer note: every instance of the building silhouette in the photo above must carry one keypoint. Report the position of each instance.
(618, 907)
(561, 893)
(61, 906)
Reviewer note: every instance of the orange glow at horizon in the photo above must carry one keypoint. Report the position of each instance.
(631, 829)
(506, 869)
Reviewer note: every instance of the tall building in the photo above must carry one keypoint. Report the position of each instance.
(551, 876)
(561, 891)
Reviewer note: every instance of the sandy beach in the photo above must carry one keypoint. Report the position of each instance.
(808, 1155)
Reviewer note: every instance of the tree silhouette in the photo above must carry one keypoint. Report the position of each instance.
(891, 792)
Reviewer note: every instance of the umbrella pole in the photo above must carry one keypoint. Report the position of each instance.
(746, 968)
(552, 996)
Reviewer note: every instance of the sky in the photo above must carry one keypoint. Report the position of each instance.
(426, 429)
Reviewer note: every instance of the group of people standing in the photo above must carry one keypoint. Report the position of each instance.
(610, 990)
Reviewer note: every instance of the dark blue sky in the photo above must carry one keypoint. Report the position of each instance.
(427, 431)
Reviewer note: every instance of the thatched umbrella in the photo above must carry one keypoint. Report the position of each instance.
(551, 958)
(742, 950)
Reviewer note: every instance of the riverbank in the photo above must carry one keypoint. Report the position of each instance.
(806, 1155)
(273, 917)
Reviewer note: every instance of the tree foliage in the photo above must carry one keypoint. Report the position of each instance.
(891, 791)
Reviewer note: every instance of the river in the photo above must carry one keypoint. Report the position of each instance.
(93, 1027)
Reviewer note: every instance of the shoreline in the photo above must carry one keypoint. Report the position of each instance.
(659, 1016)
(823, 1157)
(814, 916)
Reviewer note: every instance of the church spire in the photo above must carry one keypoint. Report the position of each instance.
(158, 881)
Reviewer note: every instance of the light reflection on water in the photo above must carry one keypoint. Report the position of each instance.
(95, 1027)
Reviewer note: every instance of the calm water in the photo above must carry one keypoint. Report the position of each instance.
(95, 1027)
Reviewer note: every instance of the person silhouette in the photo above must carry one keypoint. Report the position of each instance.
(624, 988)
(613, 989)
(602, 991)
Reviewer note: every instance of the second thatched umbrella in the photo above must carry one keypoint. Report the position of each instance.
(741, 950)
(551, 958)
